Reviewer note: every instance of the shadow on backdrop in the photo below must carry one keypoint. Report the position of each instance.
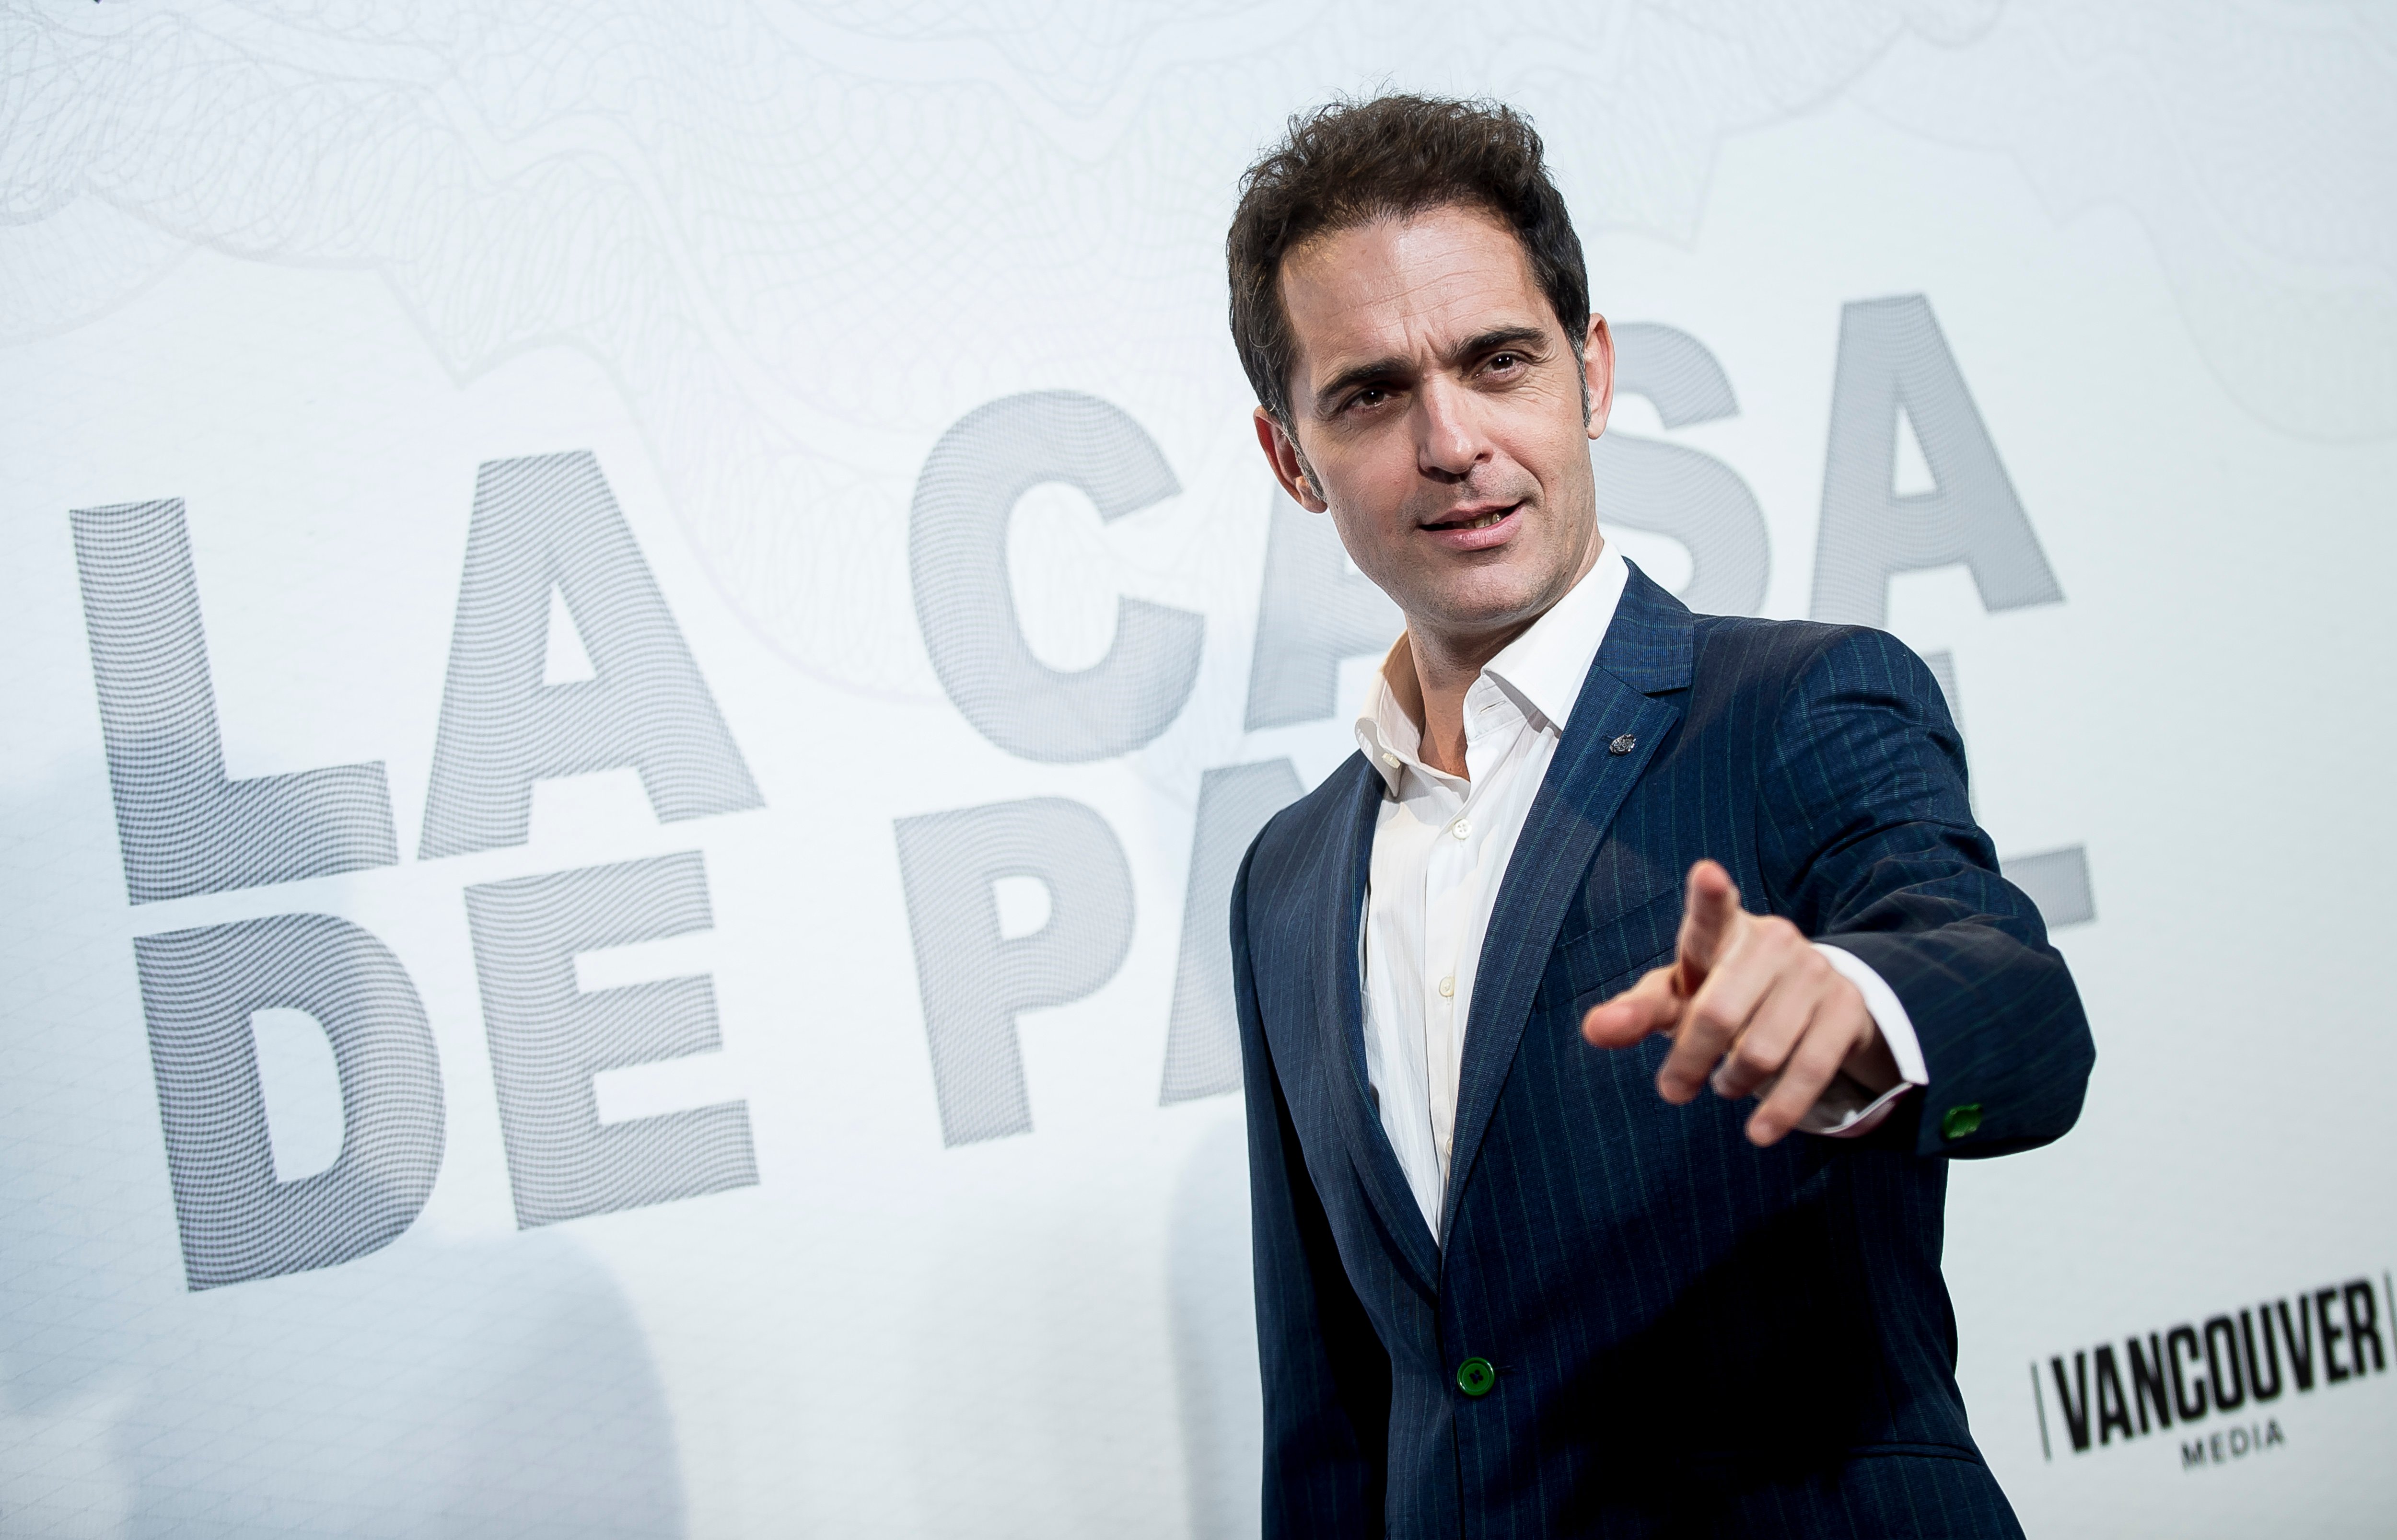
(494, 1388)
(1215, 1315)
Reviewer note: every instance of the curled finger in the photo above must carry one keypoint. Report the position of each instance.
(1716, 1015)
(1758, 1054)
(1809, 1073)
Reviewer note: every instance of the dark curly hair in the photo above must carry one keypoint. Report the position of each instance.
(1348, 163)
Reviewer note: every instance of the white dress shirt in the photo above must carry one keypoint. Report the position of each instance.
(1440, 847)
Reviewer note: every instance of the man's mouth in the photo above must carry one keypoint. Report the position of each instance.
(1490, 518)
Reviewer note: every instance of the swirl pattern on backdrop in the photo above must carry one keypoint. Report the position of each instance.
(698, 198)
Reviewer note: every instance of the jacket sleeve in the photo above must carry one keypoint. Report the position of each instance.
(1326, 1376)
(1869, 845)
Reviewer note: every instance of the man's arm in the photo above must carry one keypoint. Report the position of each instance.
(1325, 1373)
(1867, 845)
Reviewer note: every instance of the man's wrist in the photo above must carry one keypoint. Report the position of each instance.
(1870, 1063)
(1891, 1022)
(1852, 1106)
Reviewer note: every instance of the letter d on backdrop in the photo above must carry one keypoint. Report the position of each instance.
(199, 988)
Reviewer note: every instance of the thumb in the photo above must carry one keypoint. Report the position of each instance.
(1651, 1005)
(1708, 917)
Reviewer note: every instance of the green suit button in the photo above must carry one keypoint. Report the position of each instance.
(1474, 1377)
(1960, 1121)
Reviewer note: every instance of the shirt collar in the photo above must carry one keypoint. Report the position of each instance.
(1543, 669)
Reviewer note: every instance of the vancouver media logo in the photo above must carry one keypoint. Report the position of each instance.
(2220, 1382)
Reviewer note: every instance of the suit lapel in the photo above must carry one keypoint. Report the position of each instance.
(1338, 907)
(1634, 687)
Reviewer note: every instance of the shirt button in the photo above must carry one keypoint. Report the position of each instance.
(1448, 988)
(1391, 760)
(1461, 829)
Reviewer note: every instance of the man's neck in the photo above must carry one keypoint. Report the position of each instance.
(1436, 668)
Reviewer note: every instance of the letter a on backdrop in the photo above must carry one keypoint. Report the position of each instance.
(1203, 1035)
(1894, 358)
(1312, 614)
(543, 524)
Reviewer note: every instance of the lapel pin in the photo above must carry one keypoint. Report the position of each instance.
(1623, 745)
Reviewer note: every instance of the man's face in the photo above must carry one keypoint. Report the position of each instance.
(1438, 406)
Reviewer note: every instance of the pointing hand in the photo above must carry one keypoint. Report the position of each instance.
(1752, 1007)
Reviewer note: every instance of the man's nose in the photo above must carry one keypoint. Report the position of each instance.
(1449, 439)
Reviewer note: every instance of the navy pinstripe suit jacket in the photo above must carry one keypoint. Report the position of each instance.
(1693, 1335)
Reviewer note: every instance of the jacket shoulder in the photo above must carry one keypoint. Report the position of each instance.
(1746, 654)
(1748, 644)
(1296, 840)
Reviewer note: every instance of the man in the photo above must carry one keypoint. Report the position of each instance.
(1609, 1017)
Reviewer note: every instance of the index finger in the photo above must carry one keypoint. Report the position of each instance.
(1708, 913)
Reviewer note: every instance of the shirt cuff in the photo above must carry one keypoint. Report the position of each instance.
(1846, 1109)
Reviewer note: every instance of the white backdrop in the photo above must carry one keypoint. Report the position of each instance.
(321, 284)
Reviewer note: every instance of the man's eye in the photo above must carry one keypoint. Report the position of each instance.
(1372, 395)
(1505, 361)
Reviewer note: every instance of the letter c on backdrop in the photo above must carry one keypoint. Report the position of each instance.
(956, 554)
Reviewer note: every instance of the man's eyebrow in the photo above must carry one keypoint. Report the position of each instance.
(1397, 367)
(1393, 367)
(1492, 341)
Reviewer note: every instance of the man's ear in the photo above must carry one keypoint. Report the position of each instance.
(1598, 373)
(1289, 466)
